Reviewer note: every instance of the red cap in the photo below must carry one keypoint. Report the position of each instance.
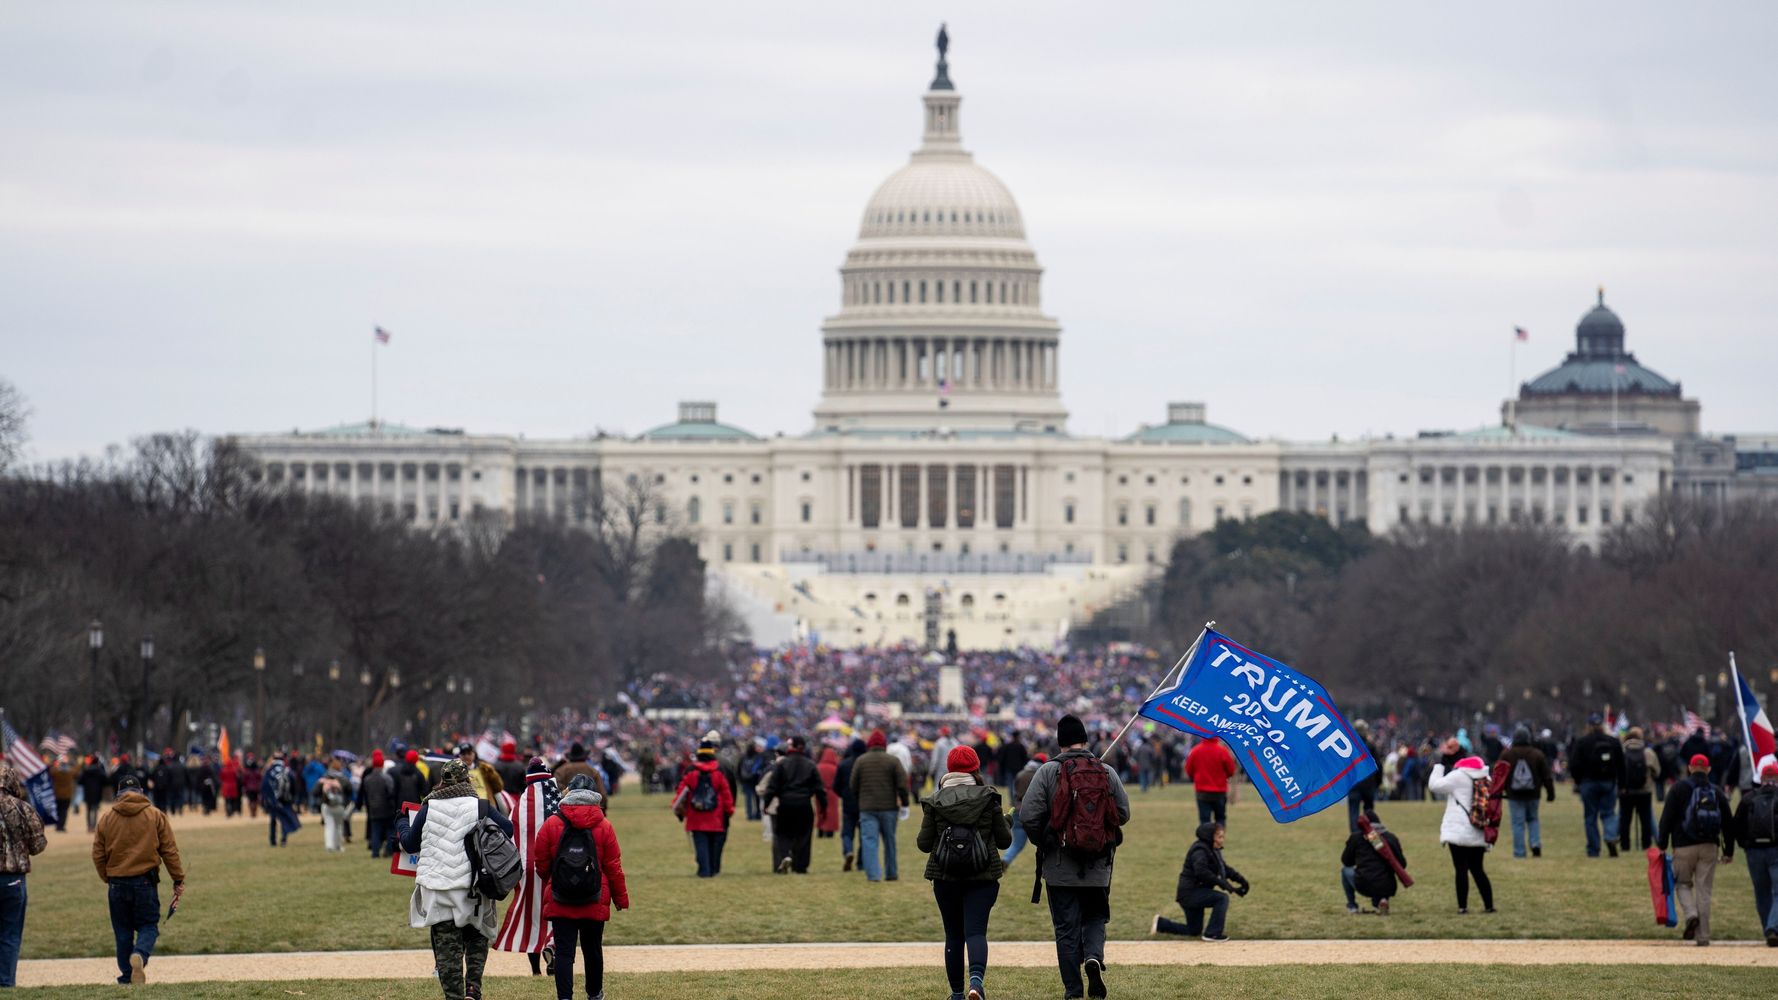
(963, 761)
(877, 739)
(1769, 770)
(376, 758)
(413, 756)
(1700, 761)
(1041, 757)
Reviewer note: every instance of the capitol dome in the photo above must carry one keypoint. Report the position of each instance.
(941, 322)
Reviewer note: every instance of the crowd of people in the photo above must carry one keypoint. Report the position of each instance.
(815, 745)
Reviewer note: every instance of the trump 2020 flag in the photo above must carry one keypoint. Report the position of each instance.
(1295, 746)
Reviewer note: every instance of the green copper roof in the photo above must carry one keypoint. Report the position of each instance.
(1186, 433)
(1595, 376)
(697, 430)
(1520, 433)
(365, 428)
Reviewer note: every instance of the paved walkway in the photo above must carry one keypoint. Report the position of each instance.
(1039, 954)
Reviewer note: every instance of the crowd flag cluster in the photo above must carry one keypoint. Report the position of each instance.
(31, 770)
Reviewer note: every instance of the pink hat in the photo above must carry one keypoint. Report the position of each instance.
(1475, 762)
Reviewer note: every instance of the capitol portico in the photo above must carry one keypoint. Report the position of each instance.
(939, 462)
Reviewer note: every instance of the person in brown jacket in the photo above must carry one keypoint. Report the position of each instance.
(576, 763)
(61, 777)
(1528, 774)
(133, 841)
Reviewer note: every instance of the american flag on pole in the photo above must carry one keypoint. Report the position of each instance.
(1521, 333)
(1693, 723)
(32, 771)
(382, 335)
(57, 744)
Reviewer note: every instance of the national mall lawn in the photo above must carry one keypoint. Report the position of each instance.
(247, 897)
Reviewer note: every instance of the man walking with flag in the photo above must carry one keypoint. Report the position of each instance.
(1074, 812)
(133, 842)
(21, 836)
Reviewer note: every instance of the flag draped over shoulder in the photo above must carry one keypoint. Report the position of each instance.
(1296, 747)
(524, 928)
(32, 771)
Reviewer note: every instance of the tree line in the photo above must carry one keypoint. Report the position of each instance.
(1513, 621)
(366, 623)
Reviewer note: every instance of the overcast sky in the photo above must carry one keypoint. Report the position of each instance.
(1317, 218)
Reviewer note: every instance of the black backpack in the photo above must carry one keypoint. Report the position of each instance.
(1635, 770)
(574, 874)
(1762, 817)
(494, 860)
(1703, 813)
(961, 852)
(703, 794)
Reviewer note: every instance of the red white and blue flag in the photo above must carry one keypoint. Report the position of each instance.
(32, 771)
(1759, 728)
(524, 928)
(1521, 333)
(1695, 723)
(382, 335)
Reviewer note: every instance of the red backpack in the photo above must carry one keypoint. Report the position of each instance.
(1083, 812)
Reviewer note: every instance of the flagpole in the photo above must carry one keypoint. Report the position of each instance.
(1162, 686)
(1741, 710)
(373, 382)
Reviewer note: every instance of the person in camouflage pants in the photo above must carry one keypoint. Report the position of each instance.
(460, 954)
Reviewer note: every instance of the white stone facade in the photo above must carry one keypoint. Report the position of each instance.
(939, 459)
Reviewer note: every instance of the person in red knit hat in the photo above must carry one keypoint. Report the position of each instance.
(963, 831)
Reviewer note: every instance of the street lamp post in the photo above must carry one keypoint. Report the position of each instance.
(364, 679)
(259, 697)
(333, 674)
(147, 651)
(469, 705)
(395, 692)
(95, 640)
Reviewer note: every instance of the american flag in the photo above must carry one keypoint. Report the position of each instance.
(57, 744)
(382, 335)
(1521, 333)
(1693, 723)
(19, 754)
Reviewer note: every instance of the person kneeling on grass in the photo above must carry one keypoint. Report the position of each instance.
(1204, 873)
(460, 922)
(1366, 869)
(576, 855)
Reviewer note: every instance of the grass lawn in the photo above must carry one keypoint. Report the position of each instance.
(245, 896)
(1376, 982)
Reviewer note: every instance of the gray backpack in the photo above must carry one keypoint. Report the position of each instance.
(494, 860)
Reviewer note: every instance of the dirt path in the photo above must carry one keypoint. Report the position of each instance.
(728, 957)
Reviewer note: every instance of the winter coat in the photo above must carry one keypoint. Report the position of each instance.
(1746, 832)
(376, 792)
(231, 780)
(567, 770)
(21, 832)
(794, 782)
(829, 769)
(1013, 757)
(1209, 766)
(1542, 779)
(444, 852)
(92, 784)
(134, 838)
(842, 778)
(971, 805)
(1204, 867)
(1022, 783)
(612, 887)
(512, 774)
(1459, 788)
(1596, 756)
(410, 785)
(1672, 825)
(1651, 761)
(879, 781)
(61, 779)
(1373, 877)
(1060, 867)
(714, 820)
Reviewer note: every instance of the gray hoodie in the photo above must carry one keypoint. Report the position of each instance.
(1034, 812)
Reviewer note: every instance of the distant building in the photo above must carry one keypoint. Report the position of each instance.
(940, 462)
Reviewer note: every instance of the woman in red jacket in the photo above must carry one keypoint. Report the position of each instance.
(704, 783)
(576, 848)
(829, 824)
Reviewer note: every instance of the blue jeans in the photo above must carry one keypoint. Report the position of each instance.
(1762, 864)
(750, 800)
(1019, 839)
(1599, 803)
(848, 832)
(1524, 820)
(380, 833)
(878, 827)
(1349, 883)
(135, 920)
(12, 925)
(1213, 806)
(708, 845)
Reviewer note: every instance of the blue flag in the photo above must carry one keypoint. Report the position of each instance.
(1295, 746)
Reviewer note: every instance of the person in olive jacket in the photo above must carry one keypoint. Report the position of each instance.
(964, 870)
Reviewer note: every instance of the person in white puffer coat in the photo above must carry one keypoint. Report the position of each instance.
(1464, 839)
(461, 923)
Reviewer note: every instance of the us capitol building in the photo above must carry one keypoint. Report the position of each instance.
(940, 469)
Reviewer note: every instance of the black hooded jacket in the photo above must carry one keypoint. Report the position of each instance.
(1205, 868)
(1373, 877)
(842, 778)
